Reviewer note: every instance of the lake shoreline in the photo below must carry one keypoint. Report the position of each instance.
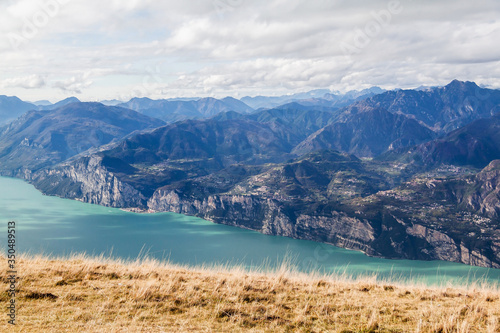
(62, 226)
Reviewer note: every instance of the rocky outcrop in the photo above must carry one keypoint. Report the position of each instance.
(443, 247)
(87, 180)
(475, 258)
(269, 216)
(486, 198)
(275, 217)
(264, 215)
(339, 230)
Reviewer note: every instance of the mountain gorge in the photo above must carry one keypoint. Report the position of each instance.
(407, 174)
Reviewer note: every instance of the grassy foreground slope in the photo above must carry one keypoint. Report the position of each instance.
(82, 294)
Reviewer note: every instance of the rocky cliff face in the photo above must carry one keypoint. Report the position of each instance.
(87, 180)
(486, 198)
(445, 248)
(270, 216)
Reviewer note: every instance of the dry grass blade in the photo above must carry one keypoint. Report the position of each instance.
(82, 294)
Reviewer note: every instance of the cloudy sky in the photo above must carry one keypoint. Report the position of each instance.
(118, 49)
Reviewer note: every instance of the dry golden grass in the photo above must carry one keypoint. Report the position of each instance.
(82, 294)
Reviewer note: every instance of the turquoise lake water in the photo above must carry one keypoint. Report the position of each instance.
(58, 226)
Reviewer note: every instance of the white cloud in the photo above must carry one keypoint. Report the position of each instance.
(74, 84)
(27, 82)
(212, 47)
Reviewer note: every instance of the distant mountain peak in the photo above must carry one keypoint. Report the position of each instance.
(42, 103)
(10, 97)
(207, 99)
(66, 101)
(140, 99)
(229, 98)
(71, 99)
(457, 84)
(111, 102)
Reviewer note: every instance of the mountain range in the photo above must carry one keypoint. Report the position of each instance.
(407, 174)
(175, 110)
(476, 144)
(43, 138)
(441, 109)
(12, 107)
(318, 97)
